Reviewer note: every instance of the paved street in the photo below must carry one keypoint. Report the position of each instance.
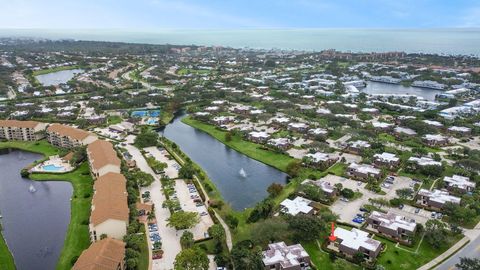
(170, 237)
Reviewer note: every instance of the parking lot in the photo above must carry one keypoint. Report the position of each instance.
(349, 210)
(190, 201)
(161, 155)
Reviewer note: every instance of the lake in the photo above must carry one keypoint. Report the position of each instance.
(35, 214)
(241, 180)
(58, 77)
(388, 88)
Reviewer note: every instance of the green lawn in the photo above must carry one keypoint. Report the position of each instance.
(185, 71)
(322, 259)
(397, 259)
(6, 258)
(77, 238)
(250, 149)
(40, 147)
(144, 257)
(114, 119)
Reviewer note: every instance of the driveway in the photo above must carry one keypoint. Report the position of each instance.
(170, 237)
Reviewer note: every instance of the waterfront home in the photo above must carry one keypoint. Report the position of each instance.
(102, 158)
(433, 123)
(429, 84)
(68, 137)
(299, 205)
(110, 211)
(280, 143)
(106, 254)
(356, 147)
(21, 130)
(298, 127)
(385, 159)
(356, 241)
(279, 256)
(363, 171)
(280, 121)
(459, 183)
(223, 120)
(436, 198)
(435, 140)
(392, 225)
(319, 160)
(460, 131)
(258, 136)
(241, 109)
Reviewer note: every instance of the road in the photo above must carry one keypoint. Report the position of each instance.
(471, 250)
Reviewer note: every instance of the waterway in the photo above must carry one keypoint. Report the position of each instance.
(388, 88)
(58, 77)
(241, 180)
(35, 214)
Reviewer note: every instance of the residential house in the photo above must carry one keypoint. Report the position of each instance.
(102, 158)
(319, 160)
(435, 198)
(404, 132)
(392, 225)
(459, 183)
(279, 256)
(356, 147)
(385, 159)
(460, 131)
(109, 215)
(423, 162)
(363, 171)
(318, 133)
(258, 136)
(105, 254)
(298, 127)
(435, 140)
(299, 205)
(325, 186)
(356, 241)
(21, 130)
(280, 143)
(68, 137)
(382, 126)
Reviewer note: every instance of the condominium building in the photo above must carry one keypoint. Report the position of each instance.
(363, 171)
(68, 137)
(109, 207)
(392, 225)
(21, 130)
(279, 256)
(106, 254)
(356, 241)
(102, 158)
(435, 198)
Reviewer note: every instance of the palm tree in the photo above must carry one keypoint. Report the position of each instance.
(151, 216)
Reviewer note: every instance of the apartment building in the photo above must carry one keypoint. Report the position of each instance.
(21, 130)
(392, 225)
(319, 160)
(279, 256)
(351, 242)
(435, 198)
(459, 183)
(68, 137)
(102, 158)
(109, 207)
(106, 254)
(363, 171)
(385, 159)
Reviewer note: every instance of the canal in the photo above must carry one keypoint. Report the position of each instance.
(59, 77)
(388, 88)
(35, 214)
(241, 180)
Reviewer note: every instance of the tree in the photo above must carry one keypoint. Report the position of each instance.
(358, 257)
(146, 138)
(293, 168)
(435, 233)
(186, 240)
(186, 171)
(232, 221)
(347, 193)
(275, 189)
(306, 227)
(191, 259)
(404, 193)
(247, 257)
(270, 230)
(468, 264)
(217, 232)
(261, 210)
(183, 220)
(228, 136)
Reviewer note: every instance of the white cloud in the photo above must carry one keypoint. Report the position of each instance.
(471, 18)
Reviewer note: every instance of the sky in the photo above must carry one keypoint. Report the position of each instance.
(237, 14)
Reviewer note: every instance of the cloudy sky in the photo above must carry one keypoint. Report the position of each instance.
(232, 14)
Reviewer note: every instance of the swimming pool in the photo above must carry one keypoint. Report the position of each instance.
(153, 113)
(152, 121)
(53, 168)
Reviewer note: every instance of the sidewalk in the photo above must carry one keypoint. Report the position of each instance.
(446, 254)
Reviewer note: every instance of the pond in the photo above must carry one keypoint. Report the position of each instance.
(35, 214)
(241, 180)
(388, 88)
(59, 77)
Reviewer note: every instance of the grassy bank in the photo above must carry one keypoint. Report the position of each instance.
(77, 237)
(6, 258)
(250, 149)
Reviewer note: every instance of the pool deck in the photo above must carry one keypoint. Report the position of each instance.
(53, 161)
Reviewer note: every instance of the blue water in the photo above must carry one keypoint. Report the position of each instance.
(442, 41)
(59, 77)
(52, 168)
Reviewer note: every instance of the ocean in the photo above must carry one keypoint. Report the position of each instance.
(464, 41)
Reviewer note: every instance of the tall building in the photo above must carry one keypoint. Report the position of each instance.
(21, 130)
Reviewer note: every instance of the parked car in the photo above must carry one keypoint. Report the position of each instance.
(417, 210)
(401, 206)
(433, 215)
